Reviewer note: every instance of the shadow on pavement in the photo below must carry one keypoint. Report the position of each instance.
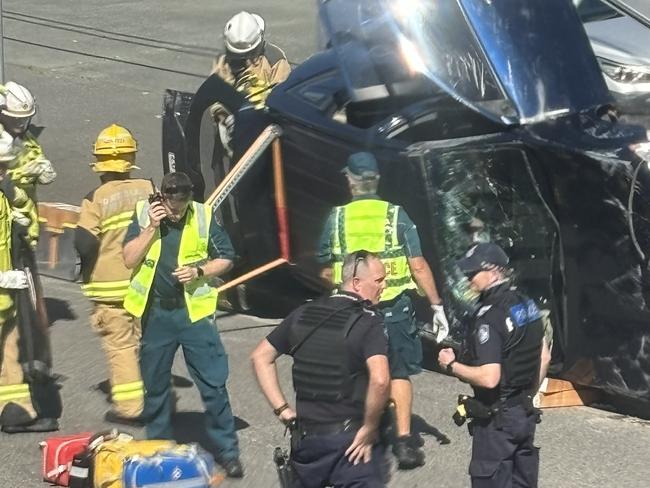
(58, 309)
(190, 427)
(420, 427)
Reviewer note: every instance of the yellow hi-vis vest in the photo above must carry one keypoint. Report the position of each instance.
(200, 297)
(5, 252)
(371, 225)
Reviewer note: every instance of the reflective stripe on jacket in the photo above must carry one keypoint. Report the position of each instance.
(106, 214)
(14, 393)
(127, 391)
(372, 225)
(5, 248)
(200, 297)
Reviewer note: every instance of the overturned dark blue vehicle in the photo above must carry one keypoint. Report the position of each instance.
(490, 120)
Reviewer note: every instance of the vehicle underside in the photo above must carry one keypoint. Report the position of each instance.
(518, 146)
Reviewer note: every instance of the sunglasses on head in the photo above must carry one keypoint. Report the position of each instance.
(359, 256)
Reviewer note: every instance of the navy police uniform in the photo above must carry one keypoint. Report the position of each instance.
(330, 340)
(507, 330)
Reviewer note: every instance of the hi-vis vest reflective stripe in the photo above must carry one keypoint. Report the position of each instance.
(200, 298)
(109, 290)
(371, 225)
(127, 391)
(5, 248)
(13, 393)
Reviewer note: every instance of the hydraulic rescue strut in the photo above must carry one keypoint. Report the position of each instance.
(269, 136)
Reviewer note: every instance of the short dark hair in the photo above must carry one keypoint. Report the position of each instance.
(177, 185)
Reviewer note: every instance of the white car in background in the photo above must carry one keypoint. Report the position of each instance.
(620, 38)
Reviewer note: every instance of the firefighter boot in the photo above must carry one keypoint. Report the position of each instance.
(15, 419)
(408, 457)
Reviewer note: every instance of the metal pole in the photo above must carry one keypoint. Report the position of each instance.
(2, 50)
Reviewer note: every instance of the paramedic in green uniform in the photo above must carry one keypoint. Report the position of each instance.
(368, 222)
(175, 247)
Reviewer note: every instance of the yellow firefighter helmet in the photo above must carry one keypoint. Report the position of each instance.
(114, 150)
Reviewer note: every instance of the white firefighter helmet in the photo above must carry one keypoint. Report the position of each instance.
(7, 149)
(17, 101)
(244, 33)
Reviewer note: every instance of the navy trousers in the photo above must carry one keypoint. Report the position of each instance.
(503, 454)
(320, 460)
(163, 332)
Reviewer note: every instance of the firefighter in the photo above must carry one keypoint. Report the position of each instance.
(504, 357)
(379, 226)
(251, 64)
(176, 246)
(19, 412)
(30, 167)
(105, 215)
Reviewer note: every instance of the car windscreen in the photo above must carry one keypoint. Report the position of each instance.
(516, 61)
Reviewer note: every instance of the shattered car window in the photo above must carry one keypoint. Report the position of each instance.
(492, 194)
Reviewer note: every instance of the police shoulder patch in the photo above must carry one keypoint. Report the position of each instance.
(524, 313)
(483, 333)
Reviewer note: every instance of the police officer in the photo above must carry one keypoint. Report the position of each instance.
(503, 358)
(105, 214)
(340, 374)
(379, 226)
(176, 246)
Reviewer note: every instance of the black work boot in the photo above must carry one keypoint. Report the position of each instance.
(13, 414)
(115, 418)
(408, 457)
(36, 425)
(233, 468)
(15, 420)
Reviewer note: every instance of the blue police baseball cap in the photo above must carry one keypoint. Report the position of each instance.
(482, 257)
(362, 165)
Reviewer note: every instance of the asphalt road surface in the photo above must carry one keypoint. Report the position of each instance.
(94, 62)
(580, 447)
(91, 63)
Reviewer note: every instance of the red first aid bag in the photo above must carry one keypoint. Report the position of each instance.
(58, 453)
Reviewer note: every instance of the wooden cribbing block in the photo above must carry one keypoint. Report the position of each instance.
(560, 393)
(55, 252)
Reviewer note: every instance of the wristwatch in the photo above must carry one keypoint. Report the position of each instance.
(199, 271)
(449, 368)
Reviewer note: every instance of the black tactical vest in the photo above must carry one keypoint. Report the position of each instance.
(320, 353)
(523, 345)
